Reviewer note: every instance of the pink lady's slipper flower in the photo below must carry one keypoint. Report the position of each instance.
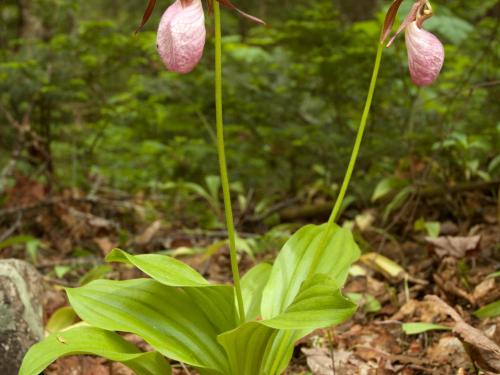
(181, 33)
(425, 51)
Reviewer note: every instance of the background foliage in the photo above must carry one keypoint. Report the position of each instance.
(83, 100)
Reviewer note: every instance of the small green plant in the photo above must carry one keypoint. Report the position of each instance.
(468, 155)
(249, 328)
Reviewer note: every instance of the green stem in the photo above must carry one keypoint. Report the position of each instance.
(222, 161)
(359, 138)
(354, 156)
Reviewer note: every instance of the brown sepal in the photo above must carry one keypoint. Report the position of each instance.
(147, 14)
(229, 5)
(390, 17)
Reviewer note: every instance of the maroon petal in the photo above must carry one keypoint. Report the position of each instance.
(228, 4)
(389, 19)
(147, 14)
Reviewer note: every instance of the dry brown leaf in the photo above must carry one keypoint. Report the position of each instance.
(320, 362)
(454, 246)
(482, 350)
(487, 291)
(149, 233)
(422, 311)
(105, 244)
(449, 350)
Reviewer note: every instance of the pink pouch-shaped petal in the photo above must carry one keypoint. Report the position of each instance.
(181, 35)
(425, 55)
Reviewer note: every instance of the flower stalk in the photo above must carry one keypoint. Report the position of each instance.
(222, 161)
(354, 156)
(359, 137)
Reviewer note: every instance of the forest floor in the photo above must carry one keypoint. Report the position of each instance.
(440, 280)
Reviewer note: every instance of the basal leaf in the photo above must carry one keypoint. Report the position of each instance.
(319, 304)
(167, 270)
(254, 349)
(61, 319)
(165, 317)
(217, 300)
(302, 257)
(93, 341)
(265, 347)
(252, 285)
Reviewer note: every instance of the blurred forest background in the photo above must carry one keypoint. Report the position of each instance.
(100, 146)
(85, 104)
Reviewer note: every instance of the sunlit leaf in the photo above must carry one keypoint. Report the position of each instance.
(94, 341)
(253, 348)
(172, 321)
(302, 257)
(319, 304)
(60, 319)
(252, 285)
(165, 269)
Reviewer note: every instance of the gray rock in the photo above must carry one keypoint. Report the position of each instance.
(21, 324)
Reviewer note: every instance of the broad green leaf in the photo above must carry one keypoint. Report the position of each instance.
(489, 311)
(416, 328)
(252, 284)
(254, 349)
(297, 259)
(265, 347)
(92, 341)
(167, 270)
(217, 303)
(60, 319)
(318, 304)
(166, 317)
(217, 300)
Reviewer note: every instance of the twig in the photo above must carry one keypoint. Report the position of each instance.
(11, 230)
(185, 368)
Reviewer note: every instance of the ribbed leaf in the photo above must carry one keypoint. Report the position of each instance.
(165, 269)
(165, 317)
(297, 258)
(217, 300)
(62, 318)
(252, 285)
(319, 304)
(94, 341)
(265, 347)
(254, 349)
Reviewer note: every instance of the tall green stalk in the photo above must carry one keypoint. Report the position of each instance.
(354, 156)
(359, 138)
(222, 161)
